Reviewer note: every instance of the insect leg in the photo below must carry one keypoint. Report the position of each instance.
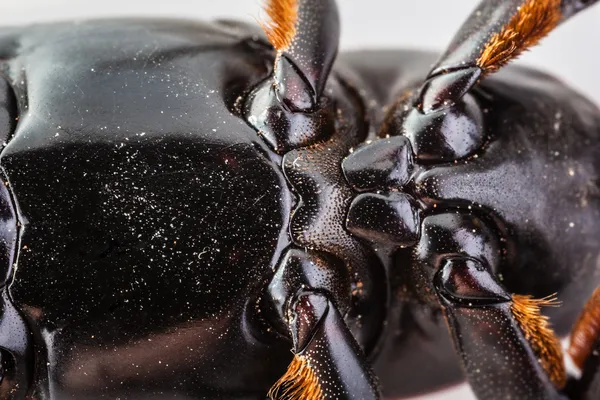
(506, 346)
(584, 350)
(499, 336)
(493, 35)
(305, 35)
(308, 296)
(327, 364)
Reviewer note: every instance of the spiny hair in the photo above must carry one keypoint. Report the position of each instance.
(586, 332)
(533, 21)
(300, 382)
(280, 28)
(540, 335)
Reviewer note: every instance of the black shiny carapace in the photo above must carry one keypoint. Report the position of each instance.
(188, 212)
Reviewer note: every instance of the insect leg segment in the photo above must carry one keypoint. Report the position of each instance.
(506, 346)
(584, 350)
(327, 364)
(441, 135)
(305, 35)
(588, 386)
(495, 33)
(449, 235)
(309, 297)
(490, 335)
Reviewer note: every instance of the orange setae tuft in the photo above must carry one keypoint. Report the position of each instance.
(540, 335)
(298, 383)
(533, 20)
(281, 27)
(586, 332)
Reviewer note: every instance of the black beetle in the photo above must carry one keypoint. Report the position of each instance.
(185, 203)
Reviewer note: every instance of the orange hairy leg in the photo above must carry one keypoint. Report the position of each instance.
(586, 332)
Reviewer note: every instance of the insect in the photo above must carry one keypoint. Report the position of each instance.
(226, 211)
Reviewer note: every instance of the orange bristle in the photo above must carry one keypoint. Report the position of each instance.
(281, 27)
(298, 383)
(586, 332)
(540, 335)
(533, 20)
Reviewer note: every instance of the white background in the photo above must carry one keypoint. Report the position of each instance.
(571, 52)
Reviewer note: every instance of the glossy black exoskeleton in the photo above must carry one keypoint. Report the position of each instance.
(183, 204)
